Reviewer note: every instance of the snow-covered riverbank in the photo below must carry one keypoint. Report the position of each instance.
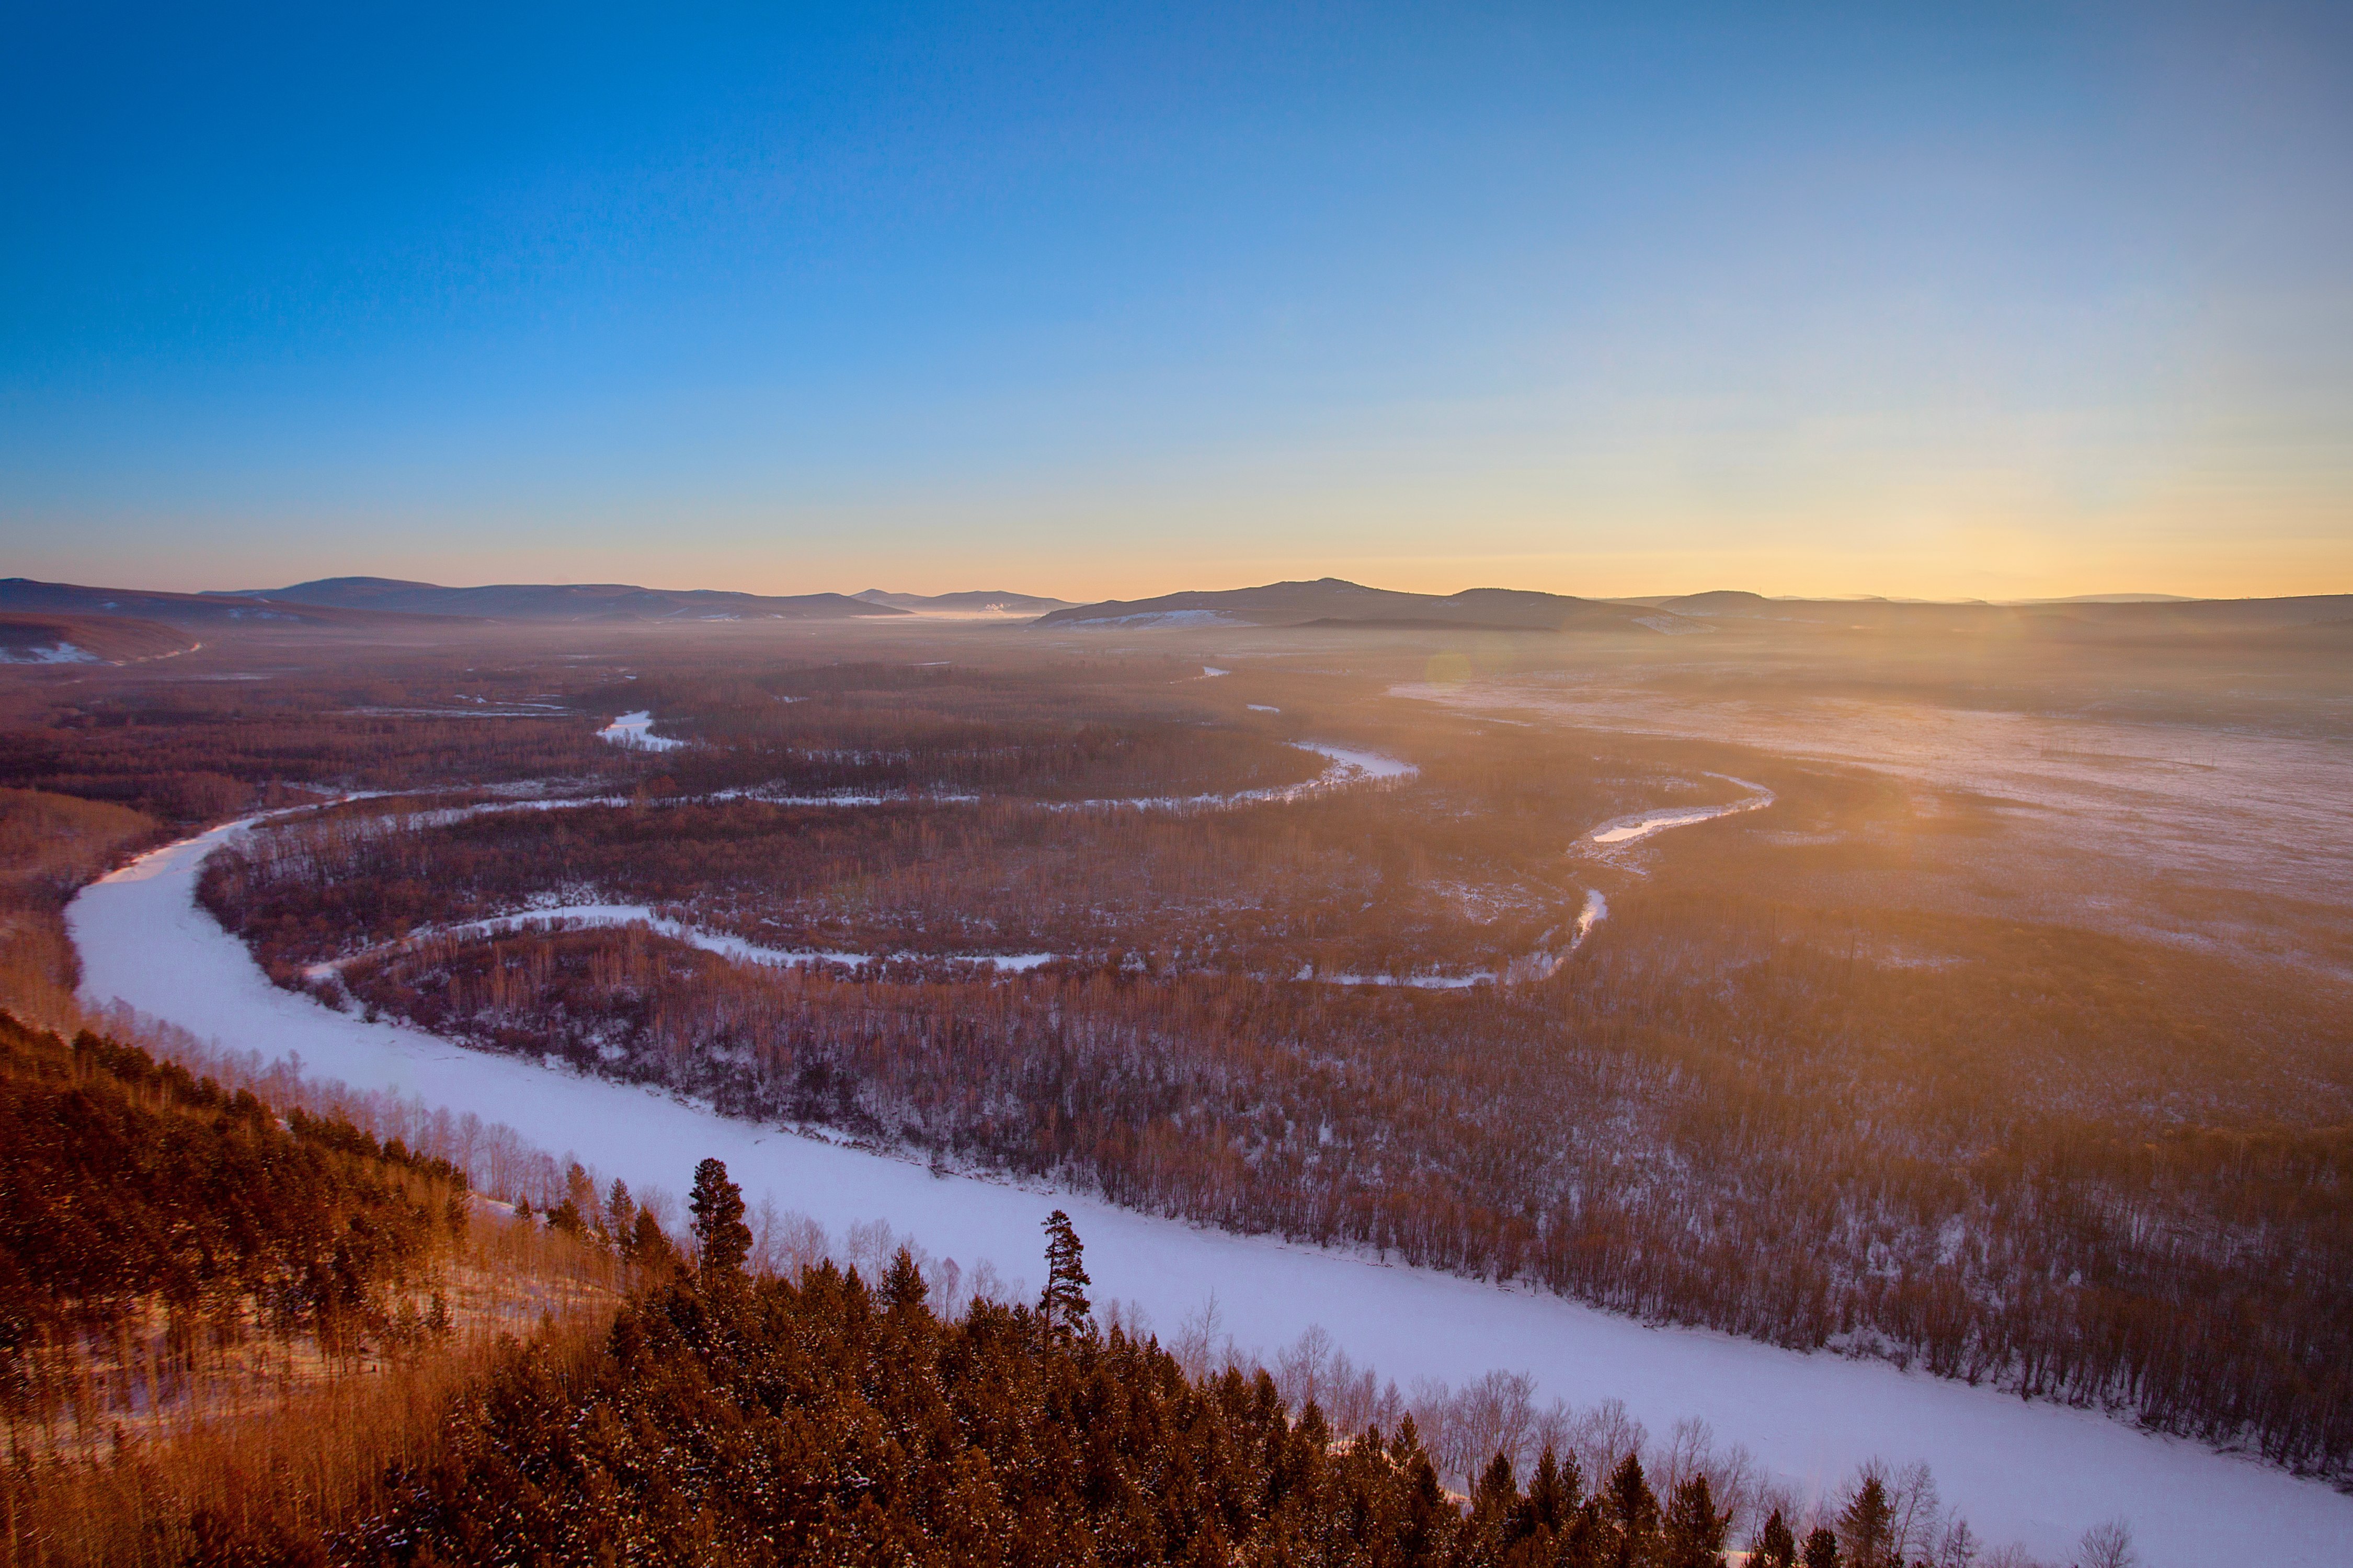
(2033, 1472)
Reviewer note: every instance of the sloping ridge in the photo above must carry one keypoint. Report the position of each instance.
(2112, 615)
(27, 639)
(566, 600)
(978, 601)
(1331, 602)
(27, 595)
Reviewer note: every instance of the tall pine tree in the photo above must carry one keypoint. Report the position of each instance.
(718, 1208)
(1775, 1547)
(1866, 1526)
(1694, 1529)
(1064, 1304)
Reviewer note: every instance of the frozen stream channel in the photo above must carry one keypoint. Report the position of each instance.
(2035, 1473)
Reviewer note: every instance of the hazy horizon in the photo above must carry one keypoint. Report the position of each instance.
(1146, 591)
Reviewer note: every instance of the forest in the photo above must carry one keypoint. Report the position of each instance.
(728, 1397)
(221, 1318)
(1072, 919)
(2030, 1157)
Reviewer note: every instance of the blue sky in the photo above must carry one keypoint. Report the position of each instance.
(1114, 300)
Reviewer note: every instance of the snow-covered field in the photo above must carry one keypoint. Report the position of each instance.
(2035, 1473)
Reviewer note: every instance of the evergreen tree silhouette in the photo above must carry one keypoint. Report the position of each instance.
(1775, 1546)
(1866, 1523)
(902, 1286)
(1694, 1530)
(1552, 1493)
(1633, 1508)
(718, 1208)
(1064, 1304)
(647, 1247)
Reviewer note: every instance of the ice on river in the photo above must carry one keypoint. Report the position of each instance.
(634, 731)
(2033, 1472)
(1641, 825)
(1349, 767)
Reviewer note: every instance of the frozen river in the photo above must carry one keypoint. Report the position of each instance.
(2034, 1473)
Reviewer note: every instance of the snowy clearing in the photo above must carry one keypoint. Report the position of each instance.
(2038, 1473)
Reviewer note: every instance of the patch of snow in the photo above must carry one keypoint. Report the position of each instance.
(1595, 910)
(1641, 825)
(53, 653)
(1261, 708)
(634, 731)
(1420, 982)
(1672, 625)
(1210, 672)
(2037, 1472)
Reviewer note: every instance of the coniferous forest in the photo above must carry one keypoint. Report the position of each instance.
(164, 1232)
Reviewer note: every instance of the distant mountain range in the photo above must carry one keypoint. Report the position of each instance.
(566, 600)
(1333, 603)
(1330, 602)
(27, 595)
(2109, 613)
(1327, 602)
(984, 601)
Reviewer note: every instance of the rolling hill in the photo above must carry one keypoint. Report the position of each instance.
(86, 639)
(977, 602)
(21, 597)
(1330, 602)
(565, 601)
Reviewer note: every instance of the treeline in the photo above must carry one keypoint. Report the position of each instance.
(833, 1422)
(209, 766)
(1653, 1137)
(1038, 732)
(746, 1408)
(189, 751)
(732, 1415)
